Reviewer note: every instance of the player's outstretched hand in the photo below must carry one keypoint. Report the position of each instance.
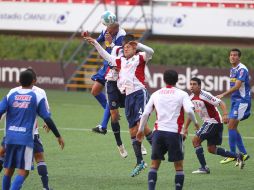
(90, 40)
(140, 135)
(61, 142)
(46, 128)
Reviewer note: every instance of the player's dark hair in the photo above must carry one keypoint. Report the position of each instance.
(33, 72)
(237, 50)
(170, 77)
(26, 78)
(196, 80)
(127, 38)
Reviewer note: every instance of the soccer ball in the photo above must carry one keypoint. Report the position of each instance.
(108, 18)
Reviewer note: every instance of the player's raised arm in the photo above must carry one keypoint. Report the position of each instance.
(148, 51)
(105, 55)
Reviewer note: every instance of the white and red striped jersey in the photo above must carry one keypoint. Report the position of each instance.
(169, 104)
(132, 70)
(112, 73)
(132, 73)
(206, 107)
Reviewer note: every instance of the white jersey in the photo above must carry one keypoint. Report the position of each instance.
(169, 104)
(132, 70)
(41, 92)
(112, 73)
(206, 107)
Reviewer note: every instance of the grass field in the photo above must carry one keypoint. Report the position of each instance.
(91, 161)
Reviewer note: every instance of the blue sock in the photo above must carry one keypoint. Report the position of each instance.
(225, 153)
(179, 179)
(152, 178)
(43, 173)
(18, 182)
(201, 156)
(6, 182)
(240, 145)
(232, 134)
(106, 117)
(101, 98)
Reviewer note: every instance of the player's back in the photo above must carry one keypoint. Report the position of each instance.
(21, 116)
(169, 103)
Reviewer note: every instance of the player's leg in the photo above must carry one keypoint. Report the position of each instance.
(19, 179)
(200, 136)
(6, 181)
(243, 113)
(152, 175)
(114, 102)
(101, 98)
(41, 164)
(174, 144)
(134, 107)
(22, 159)
(158, 152)
(179, 176)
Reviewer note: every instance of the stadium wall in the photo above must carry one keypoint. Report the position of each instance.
(214, 80)
(180, 21)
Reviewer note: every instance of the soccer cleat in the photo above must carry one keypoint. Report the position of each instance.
(227, 160)
(240, 161)
(143, 150)
(205, 170)
(245, 157)
(138, 168)
(99, 129)
(47, 189)
(122, 151)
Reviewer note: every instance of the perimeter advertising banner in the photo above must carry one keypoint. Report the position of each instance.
(57, 17)
(49, 76)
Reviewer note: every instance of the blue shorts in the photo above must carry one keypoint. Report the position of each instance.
(134, 106)
(18, 156)
(212, 132)
(38, 147)
(100, 75)
(115, 98)
(240, 110)
(167, 142)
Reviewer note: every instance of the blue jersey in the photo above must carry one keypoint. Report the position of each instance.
(21, 107)
(240, 73)
(117, 40)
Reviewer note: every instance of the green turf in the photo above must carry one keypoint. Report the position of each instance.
(91, 161)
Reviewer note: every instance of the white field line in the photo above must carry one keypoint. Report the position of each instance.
(122, 131)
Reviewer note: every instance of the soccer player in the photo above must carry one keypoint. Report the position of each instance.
(111, 36)
(116, 99)
(131, 82)
(38, 150)
(169, 103)
(240, 103)
(21, 107)
(205, 105)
